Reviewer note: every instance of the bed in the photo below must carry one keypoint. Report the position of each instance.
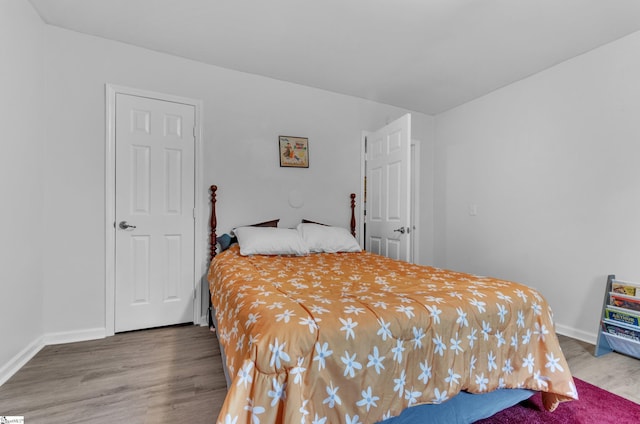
(339, 335)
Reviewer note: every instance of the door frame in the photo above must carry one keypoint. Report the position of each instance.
(111, 91)
(415, 194)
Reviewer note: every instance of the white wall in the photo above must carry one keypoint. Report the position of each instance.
(242, 117)
(20, 182)
(552, 164)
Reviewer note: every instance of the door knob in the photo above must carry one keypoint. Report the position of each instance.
(400, 230)
(124, 226)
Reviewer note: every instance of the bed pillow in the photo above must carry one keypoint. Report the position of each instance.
(224, 242)
(270, 241)
(326, 239)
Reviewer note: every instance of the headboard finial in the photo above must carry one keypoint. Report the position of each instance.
(213, 222)
(353, 214)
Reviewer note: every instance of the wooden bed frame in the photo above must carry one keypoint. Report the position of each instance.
(213, 237)
(463, 400)
(213, 222)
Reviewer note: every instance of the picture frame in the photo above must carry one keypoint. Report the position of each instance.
(294, 151)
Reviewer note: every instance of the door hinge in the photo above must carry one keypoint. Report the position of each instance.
(194, 213)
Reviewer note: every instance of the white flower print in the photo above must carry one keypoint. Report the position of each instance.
(333, 397)
(552, 363)
(411, 396)
(397, 351)
(529, 362)
(507, 368)
(400, 383)
(375, 360)
(285, 316)
(541, 331)
(354, 420)
(278, 353)
(350, 364)
(462, 318)
(351, 309)
(455, 344)
(478, 304)
(537, 309)
(278, 392)
(311, 323)
(521, 295)
(230, 420)
(255, 411)
(347, 326)
(426, 372)
(418, 335)
(319, 420)
(245, 376)
(540, 380)
(502, 312)
(384, 331)
(520, 321)
(486, 330)
(452, 378)
(491, 362)
(252, 318)
(481, 381)
(440, 396)
(368, 399)
(435, 313)
(472, 337)
(297, 371)
(407, 310)
(323, 353)
(440, 346)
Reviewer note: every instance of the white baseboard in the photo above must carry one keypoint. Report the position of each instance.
(74, 336)
(18, 361)
(577, 334)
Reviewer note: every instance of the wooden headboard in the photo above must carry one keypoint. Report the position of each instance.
(213, 222)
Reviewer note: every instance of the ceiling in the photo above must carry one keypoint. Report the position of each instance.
(423, 55)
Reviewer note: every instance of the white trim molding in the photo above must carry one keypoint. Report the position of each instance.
(574, 333)
(24, 356)
(20, 359)
(73, 336)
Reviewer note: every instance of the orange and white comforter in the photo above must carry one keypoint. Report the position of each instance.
(357, 337)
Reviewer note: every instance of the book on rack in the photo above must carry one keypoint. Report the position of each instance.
(625, 287)
(624, 301)
(622, 315)
(621, 330)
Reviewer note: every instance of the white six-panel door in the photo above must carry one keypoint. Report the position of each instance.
(388, 161)
(155, 148)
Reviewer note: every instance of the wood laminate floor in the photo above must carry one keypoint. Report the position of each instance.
(174, 375)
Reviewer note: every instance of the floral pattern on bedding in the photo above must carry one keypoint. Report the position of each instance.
(357, 337)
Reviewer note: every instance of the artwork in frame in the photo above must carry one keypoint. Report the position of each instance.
(294, 152)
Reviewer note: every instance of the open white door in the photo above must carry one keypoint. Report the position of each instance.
(154, 243)
(388, 191)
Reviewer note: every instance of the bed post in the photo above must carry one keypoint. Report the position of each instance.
(213, 223)
(353, 214)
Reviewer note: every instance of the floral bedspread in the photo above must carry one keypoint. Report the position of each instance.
(357, 337)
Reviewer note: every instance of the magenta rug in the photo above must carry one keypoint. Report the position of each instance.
(596, 406)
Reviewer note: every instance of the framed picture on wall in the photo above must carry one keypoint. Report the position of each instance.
(294, 151)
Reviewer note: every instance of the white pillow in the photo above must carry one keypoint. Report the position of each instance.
(270, 241)
(325, 239)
